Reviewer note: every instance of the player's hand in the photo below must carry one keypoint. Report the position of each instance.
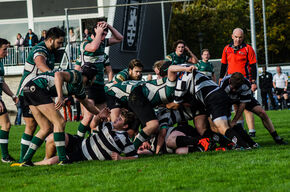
(15, 99)
(254, 87)
(187, 49)
(172, 105)
(190, 68)
(104, 113)
(145, 145)
(59, 103)
(1, 107)
(285, 89)
(115, 156)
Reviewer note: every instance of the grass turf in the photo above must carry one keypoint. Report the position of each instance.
(264, 169)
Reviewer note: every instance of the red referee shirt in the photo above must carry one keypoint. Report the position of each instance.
(240, 60)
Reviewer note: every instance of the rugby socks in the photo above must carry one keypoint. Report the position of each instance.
(235, 137)
(140, 138)
(33, 146)
(82, 130)
(241, 122)
(275, 136)
(4, 143)
(25, 142)
(288, 103)
(184, 141)
(59, 140)
(280, 103)
(239, 129)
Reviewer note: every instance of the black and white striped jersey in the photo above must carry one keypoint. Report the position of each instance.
(169, 117)
(241, 95)
(196, 83)
(101, 144)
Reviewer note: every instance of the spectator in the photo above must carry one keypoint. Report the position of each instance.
(43, 35)
(266, 86)
(30, 39)
(72, 36)
(20, 47)
(240, 57)
(179, 55)
(280, 83)
(86, 34)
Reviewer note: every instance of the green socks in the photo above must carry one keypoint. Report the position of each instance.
(4, 143)
(59, 140)
(25, 142)
(82, 130)
(139, 139)
(34, 145)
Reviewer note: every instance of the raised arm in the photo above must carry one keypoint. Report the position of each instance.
(193, 59)
(116, 36)
(95, 44)
(174, 69)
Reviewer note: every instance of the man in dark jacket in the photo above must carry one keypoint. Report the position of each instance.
(266, 86)
(30, 39)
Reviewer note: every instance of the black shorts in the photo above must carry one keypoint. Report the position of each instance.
(34, 95)
(141, 106)
(280, 91)
(218, 104)
(5, 109)
(96, 93)
(253, 103)
(198, 109)
(114, 102)
(74, 149)
(187, 130)
(26, 112)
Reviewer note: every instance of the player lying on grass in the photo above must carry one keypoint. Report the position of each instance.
(238, 89)
(39, 93)
(107, 143)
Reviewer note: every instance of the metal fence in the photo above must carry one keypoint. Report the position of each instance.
(18, 55)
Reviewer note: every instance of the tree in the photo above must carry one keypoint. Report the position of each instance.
(216, 20)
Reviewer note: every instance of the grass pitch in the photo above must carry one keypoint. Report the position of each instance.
(264, 169)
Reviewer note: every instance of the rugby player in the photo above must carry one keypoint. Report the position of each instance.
(92, 53)
(238, 89)
(214, 100)
(40, 59)
(38, 94)
(4, 119)
(108, 143)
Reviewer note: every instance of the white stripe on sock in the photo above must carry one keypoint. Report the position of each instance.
(3, 141)
(25, 142)
(59, 143)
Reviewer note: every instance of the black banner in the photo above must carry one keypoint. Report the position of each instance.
(131, 27)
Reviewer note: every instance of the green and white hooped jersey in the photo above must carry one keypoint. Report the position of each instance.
(2, 72)
(159, 91)
(123, 89)
(176, 60)
(30, 68)
(205, 68)
(73, 87)
(119, 77)
(98, 59)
